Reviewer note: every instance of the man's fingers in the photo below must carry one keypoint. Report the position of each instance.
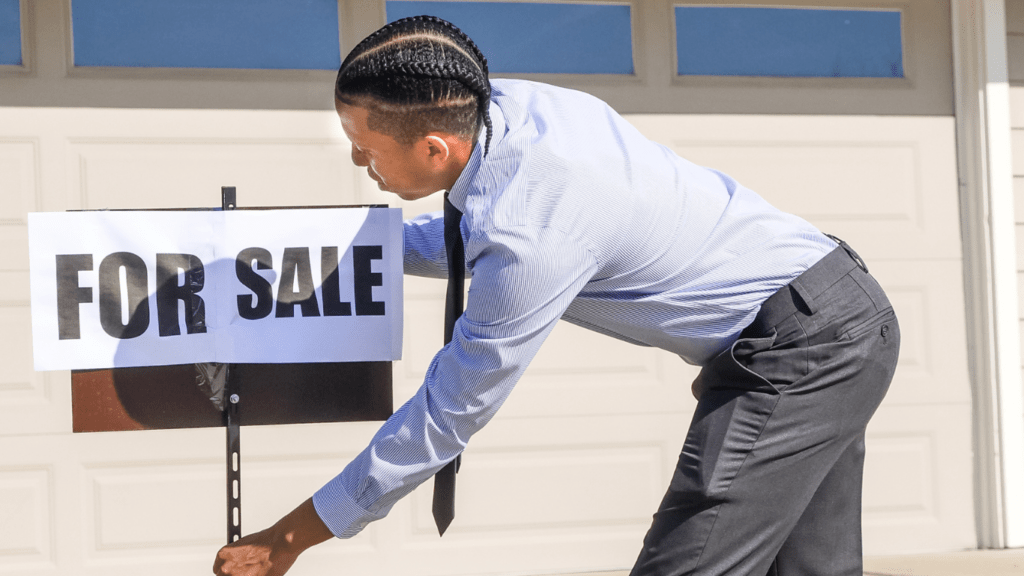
(246, 560)
(252, 560)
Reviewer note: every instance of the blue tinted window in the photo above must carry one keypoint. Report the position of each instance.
(10, 32)
(265, 34)
(535, 37)
(735, 41)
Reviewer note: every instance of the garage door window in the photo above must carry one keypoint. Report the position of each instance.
(539, 37)
(788, 42)
(255, 34)
(10, 33)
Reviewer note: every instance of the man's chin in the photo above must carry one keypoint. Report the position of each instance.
(402, 195)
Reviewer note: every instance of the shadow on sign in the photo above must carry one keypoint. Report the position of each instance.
(180, 396)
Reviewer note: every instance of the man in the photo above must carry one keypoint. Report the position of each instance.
(564, 211)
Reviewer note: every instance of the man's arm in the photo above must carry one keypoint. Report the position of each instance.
(523, 281)
(423, 240)
(272, 552)
(515, 300)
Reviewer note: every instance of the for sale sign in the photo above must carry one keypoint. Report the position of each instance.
(150, 288)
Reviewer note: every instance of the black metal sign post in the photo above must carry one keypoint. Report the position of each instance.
(232, 424)
(234, 462)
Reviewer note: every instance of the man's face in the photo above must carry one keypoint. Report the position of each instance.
(402, 170)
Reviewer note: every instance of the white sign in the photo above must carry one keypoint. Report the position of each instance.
(152, 288)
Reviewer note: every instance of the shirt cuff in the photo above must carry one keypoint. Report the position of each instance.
(339, 512)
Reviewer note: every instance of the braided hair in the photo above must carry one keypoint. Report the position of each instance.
(415, 76)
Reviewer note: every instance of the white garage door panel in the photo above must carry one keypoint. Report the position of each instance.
(29, 401)
(40, 469)
(113, 503)
(886, 184)
(928, 299)
(160, 173)
(129, 504)
(577, 493)
(138, 508)
(19, 384)
(175, 158)
(25, 533)
(18, 188)
(917, 480)
(843, 189)
(553, 488)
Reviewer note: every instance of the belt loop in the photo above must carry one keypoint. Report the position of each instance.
(853, 254)
(803, 295)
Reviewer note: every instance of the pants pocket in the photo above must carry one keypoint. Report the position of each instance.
(879, 321)
(730, 370)
(731, 413)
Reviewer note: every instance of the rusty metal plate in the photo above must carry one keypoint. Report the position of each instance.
(165, 397)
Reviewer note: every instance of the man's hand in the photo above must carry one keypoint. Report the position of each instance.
(272, 552)
(697, 388)
(259, 554)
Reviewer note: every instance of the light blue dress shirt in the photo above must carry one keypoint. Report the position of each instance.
(572, 215)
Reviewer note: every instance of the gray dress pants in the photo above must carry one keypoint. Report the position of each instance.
(769, 478)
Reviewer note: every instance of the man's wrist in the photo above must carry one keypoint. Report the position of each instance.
(300, 529)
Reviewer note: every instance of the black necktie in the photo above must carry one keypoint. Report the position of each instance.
(444, 481)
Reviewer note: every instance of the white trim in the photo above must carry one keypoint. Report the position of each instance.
(990, 277)
(1009, 395)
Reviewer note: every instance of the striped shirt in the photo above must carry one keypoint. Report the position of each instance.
(572, 215)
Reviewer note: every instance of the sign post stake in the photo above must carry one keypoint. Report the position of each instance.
(232, 424)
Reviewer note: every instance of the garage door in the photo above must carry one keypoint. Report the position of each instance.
(576, 461)
(566, 477)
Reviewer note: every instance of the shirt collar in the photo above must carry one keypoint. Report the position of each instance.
(460, 190)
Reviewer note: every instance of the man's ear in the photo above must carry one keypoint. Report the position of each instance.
(437, 149)
(445, 155)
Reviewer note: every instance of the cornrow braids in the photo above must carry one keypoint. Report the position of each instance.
(417, 75)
